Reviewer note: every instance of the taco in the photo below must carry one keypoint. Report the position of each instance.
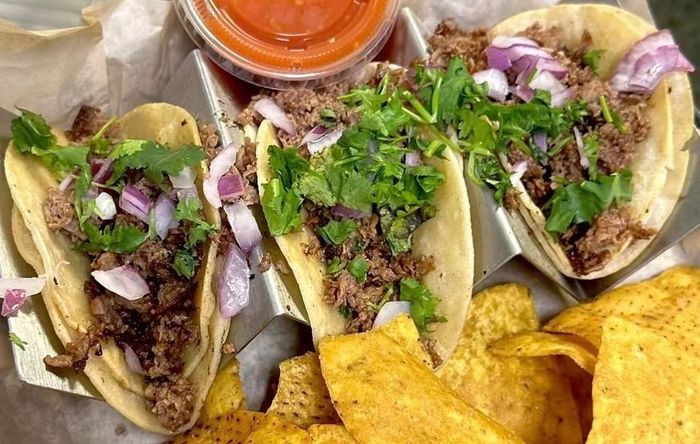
(368, 207)
(110, 214)
(577, 115)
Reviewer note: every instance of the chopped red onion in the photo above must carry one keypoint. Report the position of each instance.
(513, 55)
(327, 140)
(546, 81)
(105, 207)
(66, 183)
(231, 186)
(562, 97)
(132, 360)
(525, 93)
(390, 311)
(579, 146)
(185, 179)
(103, 170)
(164, 215)
(16, 290)
(496, 81)
(518, 170)
(243, 225)
(91, 193)
(270, 110)
(412, 159)
(540, 139)
(315, 134)
(647, 62)
(502, 41)
(233, 283)
(134, 202)
(187, 193)
(350, 213)
(221, 164)
(124, 281)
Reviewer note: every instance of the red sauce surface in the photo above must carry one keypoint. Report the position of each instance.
(294, 35)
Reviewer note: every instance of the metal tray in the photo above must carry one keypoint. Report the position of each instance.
(272, 328)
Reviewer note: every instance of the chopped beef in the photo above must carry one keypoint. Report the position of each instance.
(78, 350)
(153, 259)
(171, 336)
(567, 164)
(535, 179)
(173, 293)
(449, 41)
(59, 214)
(282, 266)
(429, 346)
(228, 348)
(265, 263)
(87, 123)
(210, 140)
(106, 261)
(550, 38)
(173, 401)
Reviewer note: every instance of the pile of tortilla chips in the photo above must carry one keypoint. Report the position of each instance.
(622, 368)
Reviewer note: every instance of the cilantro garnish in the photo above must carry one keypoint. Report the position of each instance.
(185, 263)
(345, 311)
(281, 207)
(423, 303)
(611, 116)
(592, 59)
(153, 159)
(336, 232)
(190, 209)
(335, 266)
(591, 149)
(17, 341)
(358, 268)
(121, 238)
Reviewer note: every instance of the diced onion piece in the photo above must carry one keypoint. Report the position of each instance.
(105, 207)
(186, 193)
(350, 213)
(66, 183)
(525, 93)
(412, 159)
(546, 81)
(502, 41)
(233, 283)
(124, 281)
(221, 164)
(585, 163)
(185, 179)
(562, 97)
(496, 81)
(329, 139)
(134, 202)
(132, 360)
(231, 186)
(314, 134)
(164, 215)
(103, 170)
(270, 110)
(540, 139)
(390, 311)
(517, 172)
(243, 225)
(647, 62)
(15, 292)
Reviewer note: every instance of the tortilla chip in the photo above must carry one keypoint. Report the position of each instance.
(330, 434)
(302, 397)
(276, 430)
(384, 394)
(404, 331)
(668, 305)
(231, 428)
(530, 396)
(645, 389)
(537, 344)
(226, 394)
(581, 385)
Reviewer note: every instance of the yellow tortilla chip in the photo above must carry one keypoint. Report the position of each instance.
(581, 384)
(231, 428)
(330, 434)
(404, 331)
(530, 396)
(226, 394)
(384, 395)
(668, 305)
(302, 397)
(276, 430)
(538, 344)
(645, 389)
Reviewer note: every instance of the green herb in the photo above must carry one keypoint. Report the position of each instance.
(82, 185)
(336, 232)
(398, 229)
(191, 210)
(287, 164)
(335, 266)
(185, 263)
(17, 341)
(121, 238)
(358, 268)
(559, 145)
(328, 117)
(423, 303)
(88, 209)
(581, 203)
(31, 132)
(153, 159)
(591, 149)
(345, 311)
(592, 59)
(281, 207)
(610, 116)
(313, 186)
(98, 144)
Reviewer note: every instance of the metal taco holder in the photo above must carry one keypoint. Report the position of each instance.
(272, 328)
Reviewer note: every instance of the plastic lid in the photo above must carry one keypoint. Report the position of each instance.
(288, 43)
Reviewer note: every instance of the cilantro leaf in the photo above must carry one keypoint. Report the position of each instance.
(17, 341)
(98, 143)
(82, 185)
(592, 59)
(335, 266)
(423, 303)
(358, 268)
(591, 149)
(336, 232)
(30, 131)
(62, 160)
(153, 159)
(281, 208)
(190, 209)
(122, 238)
(345, 311)
(354, 191)
(184, 263)
(398, 229)
(287, 164)
(313, 186)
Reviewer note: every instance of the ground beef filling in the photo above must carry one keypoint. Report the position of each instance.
(588, 246)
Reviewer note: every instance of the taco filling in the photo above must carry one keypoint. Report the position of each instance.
(133, 207)
(349, 170)
(535, 115)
